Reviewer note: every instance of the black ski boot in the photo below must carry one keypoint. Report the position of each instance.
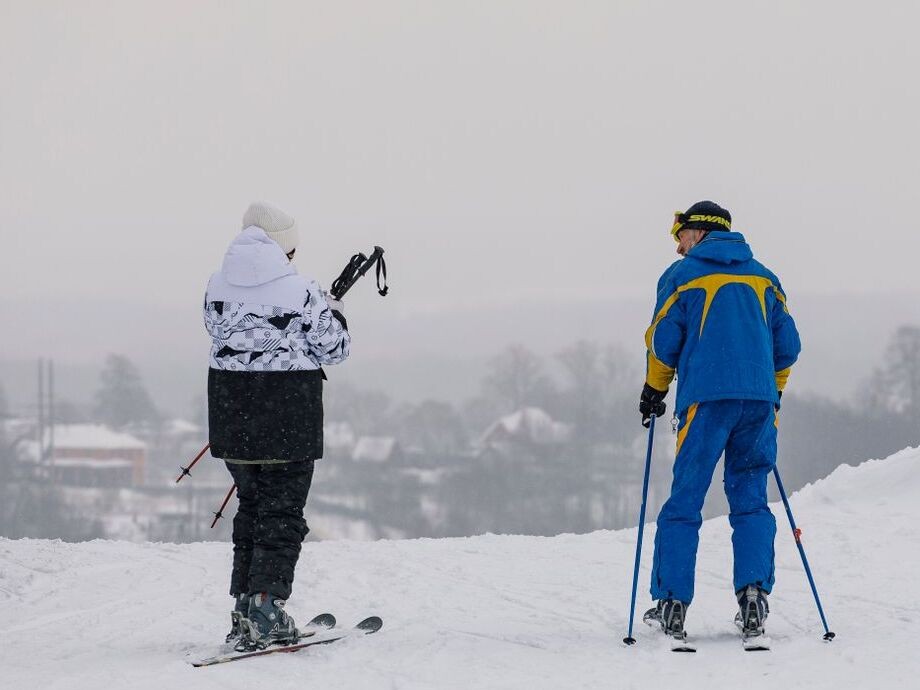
(266, 623)
(752, 602)
(670, 615)
(653, 616)
(236, 615)
(753, 611)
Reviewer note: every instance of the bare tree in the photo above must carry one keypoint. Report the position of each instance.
(368, 411)
(895, 386)
(516, 379)
(434, 427)
(122, 398)
(598, 377)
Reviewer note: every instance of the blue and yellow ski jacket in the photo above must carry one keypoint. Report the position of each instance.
(721, 325)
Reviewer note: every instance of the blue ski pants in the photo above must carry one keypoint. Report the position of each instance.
(746, 431)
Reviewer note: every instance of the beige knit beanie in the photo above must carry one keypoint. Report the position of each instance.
(278, 225)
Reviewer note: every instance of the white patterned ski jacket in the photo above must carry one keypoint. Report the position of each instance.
(263, 316)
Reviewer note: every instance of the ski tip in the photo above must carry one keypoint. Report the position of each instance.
(684, 647)
(323, 620)
(629, 641)
(370, 625)
(681, 644)
(759, 643)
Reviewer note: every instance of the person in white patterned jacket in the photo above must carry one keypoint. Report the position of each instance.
(272, 331)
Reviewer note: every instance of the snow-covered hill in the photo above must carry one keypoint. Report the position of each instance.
(485, 612)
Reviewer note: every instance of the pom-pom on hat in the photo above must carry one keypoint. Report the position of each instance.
(278, 225)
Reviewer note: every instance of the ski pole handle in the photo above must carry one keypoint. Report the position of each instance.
(356, 268)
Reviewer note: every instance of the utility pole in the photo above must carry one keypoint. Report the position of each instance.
(45, 431)
(40, 430)
(51, 417)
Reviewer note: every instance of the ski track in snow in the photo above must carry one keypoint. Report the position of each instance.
(484, 612)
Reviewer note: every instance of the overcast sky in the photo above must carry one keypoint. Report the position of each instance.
(500, 151)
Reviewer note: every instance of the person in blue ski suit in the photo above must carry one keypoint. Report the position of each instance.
(721, 325)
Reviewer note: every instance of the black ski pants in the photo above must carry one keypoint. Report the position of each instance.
(269, 526)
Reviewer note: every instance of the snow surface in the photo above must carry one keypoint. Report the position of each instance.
(484, 612)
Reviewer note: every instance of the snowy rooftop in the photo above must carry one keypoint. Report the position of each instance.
(94, 464)
(179, 426)
(530, 424)
(374, 449)
(338, 435)
(78, 436)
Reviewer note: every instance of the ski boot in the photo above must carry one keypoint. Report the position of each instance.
(236, 615)
(670, 615)
(266, 623)
(752, 613)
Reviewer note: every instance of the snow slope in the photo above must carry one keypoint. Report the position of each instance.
(484, 612)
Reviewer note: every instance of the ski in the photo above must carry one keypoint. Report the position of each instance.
(679, 644)
(316, 637)
(756, 643)
(323, 621)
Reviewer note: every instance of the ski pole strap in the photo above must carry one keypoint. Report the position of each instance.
(382, 268)
(348, 276)
(357, 266)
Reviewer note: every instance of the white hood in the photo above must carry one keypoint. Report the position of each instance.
(254, 259)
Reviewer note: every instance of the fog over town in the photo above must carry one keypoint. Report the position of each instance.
(520, 163)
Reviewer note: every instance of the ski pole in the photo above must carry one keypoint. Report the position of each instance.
(185, 470)
(629, 639)
(797, 534)
(356, 268)
(220, 511)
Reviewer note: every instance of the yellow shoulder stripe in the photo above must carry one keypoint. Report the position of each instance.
(665, 308)
(716, 281)
(781, 297)
(711, 284)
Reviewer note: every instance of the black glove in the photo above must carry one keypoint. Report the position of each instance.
(651, 402)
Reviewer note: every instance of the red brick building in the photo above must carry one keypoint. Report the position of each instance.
(94, 455)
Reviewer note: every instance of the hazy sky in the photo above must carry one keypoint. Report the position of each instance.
(499, 151)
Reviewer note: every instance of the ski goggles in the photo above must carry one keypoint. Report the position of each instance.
(680, 219)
